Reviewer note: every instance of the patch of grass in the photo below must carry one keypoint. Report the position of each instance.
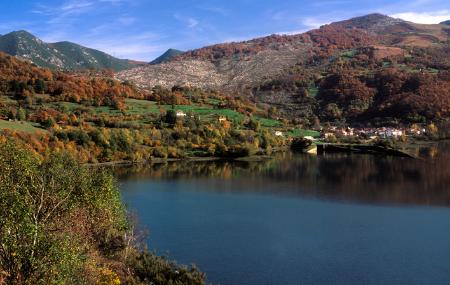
(312, 91)
(296, 133)
(433, 70)
(207, 112)
(213, 101)
(348, 53)
(268, 122)
(67, 106)
(26, 127)
(7, 100)
(105, 110)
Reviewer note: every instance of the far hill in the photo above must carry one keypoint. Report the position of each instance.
(445, 22)
(294, 73)
(167, 56)
(60, 55)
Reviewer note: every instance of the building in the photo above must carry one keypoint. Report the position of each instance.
(181, 114)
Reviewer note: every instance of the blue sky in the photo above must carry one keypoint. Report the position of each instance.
(143, 29)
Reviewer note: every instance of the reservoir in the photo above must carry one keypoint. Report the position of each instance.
(299, 219)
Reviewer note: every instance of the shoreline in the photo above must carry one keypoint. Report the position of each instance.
(256, 158)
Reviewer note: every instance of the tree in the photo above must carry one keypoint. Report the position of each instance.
(41, 215)
(21, 114)
(254, 125)
(40, 86)
(171, 117)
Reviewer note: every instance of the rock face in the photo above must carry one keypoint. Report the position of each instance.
(61, 55)
(193, 72)
(230, 73)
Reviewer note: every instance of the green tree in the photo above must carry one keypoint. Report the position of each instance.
(21, 114)
(40, 86)
(171, 117)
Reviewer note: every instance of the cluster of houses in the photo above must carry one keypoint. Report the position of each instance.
(372, 133)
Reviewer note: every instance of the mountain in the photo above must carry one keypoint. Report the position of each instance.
(167, 56)
(240, 65)
(61, 55)
(445, 22)
(288, 71)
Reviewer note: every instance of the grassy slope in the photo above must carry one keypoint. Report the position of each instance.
(143, 108)
(26, 127)
(207, 113)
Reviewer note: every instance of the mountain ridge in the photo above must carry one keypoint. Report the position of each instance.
(60, 55)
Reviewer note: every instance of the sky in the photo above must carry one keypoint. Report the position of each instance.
(144, 29)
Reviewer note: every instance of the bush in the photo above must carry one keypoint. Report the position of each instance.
(151, 269)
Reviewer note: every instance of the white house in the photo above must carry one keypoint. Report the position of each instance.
(278, 134)
(181, 114)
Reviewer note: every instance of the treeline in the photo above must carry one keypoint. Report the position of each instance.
(62, 223)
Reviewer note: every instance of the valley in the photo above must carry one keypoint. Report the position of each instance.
(317, 157)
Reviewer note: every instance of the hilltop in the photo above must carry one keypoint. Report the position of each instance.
(167, 56)
(60, 55)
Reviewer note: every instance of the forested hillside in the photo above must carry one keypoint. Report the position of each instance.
(99, 119)
(372, 69)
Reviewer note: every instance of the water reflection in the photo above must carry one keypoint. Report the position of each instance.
(355, 178)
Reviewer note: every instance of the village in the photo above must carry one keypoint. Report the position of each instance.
(364, 133)
(373, 133)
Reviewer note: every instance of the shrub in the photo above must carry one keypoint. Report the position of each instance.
(151, 269)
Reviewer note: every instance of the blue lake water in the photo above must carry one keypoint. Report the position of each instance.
(278, 223)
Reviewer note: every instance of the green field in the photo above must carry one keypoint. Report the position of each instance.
(303, 133)
(312, 91)
(206, 112)
(141, 107)
(21, 126)
(348, 54)
(268, 122)
(71, 107)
